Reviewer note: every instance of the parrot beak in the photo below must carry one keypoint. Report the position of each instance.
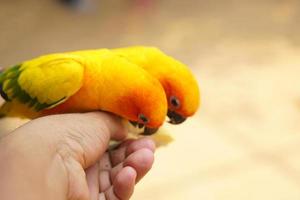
(149, 131)
(175, 118)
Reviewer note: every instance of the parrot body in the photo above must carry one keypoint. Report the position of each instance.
(83, 81)
(181, 88)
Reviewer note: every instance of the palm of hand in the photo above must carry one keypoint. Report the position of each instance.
(117, 172)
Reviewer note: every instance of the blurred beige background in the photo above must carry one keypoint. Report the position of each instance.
(244, 143)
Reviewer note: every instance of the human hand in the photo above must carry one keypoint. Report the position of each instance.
(64, 157)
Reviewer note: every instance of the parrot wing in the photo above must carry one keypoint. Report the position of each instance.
(44, 82)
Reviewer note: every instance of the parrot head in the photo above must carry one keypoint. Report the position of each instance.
(145, 106)
(180, 86)
(183, 94)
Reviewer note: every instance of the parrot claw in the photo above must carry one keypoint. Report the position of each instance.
(147, 130)
(136, 124)
(133, 123)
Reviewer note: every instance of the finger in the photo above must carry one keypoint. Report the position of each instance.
(102, 196)
(86, 136)
(126, 148)
(100, 121)
(141, 160)
(118, 155)
(123, 185)
(92, 174)
(144, 142)
(104, 173)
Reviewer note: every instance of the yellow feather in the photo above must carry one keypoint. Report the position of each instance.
(92, 80)
(176, 77)
(17, 109)
(52, 77)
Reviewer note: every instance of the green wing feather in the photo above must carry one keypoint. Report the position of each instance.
(43, 82)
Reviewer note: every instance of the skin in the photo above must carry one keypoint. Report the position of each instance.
(69, 160)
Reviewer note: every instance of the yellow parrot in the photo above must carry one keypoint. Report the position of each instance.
(84, 81)
(181, 88)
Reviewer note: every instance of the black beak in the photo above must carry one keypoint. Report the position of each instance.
(175, 118)
(149, 131)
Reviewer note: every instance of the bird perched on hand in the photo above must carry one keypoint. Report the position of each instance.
(83, 81)
(180, 86)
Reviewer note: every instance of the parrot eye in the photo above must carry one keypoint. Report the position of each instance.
(143, 118)
(175, 101)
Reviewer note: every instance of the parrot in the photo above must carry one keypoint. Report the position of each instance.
(83, 81)
(181, 88)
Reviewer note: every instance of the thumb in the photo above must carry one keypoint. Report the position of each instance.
(85, 137)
